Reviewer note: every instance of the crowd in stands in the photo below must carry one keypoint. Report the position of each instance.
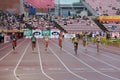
(15, 21)
(118, 12)
(78, 24)
(105, 7)
(9, 21)
(12, 22)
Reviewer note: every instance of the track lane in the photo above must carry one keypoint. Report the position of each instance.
(8, 62)
(48, 65)
(114, 70)
(41, 65)
(29, 65)
(88, 71)
(92, 65)
(68, 69)
(53, 67)
(7, 47)
(105, 57)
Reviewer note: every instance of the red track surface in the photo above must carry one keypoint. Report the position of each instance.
(56, 64)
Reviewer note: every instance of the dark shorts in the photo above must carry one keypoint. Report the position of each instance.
(33, 42)
(84, 43)
(98, 41)
(75, 44)
(14, 43)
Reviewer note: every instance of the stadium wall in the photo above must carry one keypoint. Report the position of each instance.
(10, 5)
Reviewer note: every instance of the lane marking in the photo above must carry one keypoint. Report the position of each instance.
(79, 69)
(28, 69)
(88, 64)
(4, 47)
(4, 69)
(9, 44)
(60, 69)
(54, 69)
(30, 74)
(11, 51)
(41, 66)
(111, 57)
(107, 55)
(102, 61)
(107, 69)
(20, 62)
(66, 66)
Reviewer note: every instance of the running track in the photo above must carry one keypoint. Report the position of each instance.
(56, 64)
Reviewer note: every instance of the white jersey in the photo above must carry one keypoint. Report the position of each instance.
(46, 38)
(85, 38)
(76, 40)
(98, 38)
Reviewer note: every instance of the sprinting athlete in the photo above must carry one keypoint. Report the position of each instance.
(14, 41)
(60, 38)
(46, 41)
(98, 42)
(33, 40)
(85, 39)
(75, 40)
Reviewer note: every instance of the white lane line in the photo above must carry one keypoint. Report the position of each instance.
(41, 66)
(20, 62)
(11, 51)
(29, 74)
(112, 50)
(111, 57)
(66, 66)
(102, 61)
(5, 46)
(107, 69)
(89, 65)
(54, 69)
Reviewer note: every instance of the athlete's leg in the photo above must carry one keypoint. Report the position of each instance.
(86, 45)
(97, 46)
(13, 46)
(60, 44)
(75, 47)
(33, 45)
(46, 45)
